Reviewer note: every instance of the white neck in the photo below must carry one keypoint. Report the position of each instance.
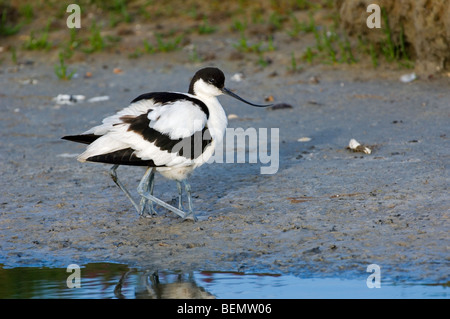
(217, 121)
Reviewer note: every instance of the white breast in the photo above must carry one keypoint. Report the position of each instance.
(217, 123)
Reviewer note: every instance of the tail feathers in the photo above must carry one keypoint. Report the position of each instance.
(120, 157)
(107, 150)
(82, 138)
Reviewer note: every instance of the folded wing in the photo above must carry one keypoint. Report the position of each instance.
(157, 129)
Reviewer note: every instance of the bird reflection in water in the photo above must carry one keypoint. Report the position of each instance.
(150, 285)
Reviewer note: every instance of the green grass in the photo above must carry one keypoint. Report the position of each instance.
(26, 11)
(163, 44)
(244, 46)
(74, 42)
(136, 54)
(276, 20)
(239, 26)
(194, 56)
(116, 11)
(40, 42)
(299, 27)
(373, 55)
(167, 44)
(258, 48)
(330, 47)
(61, 69)
(346, 51)
(148, 48)
(309, 55)
(262, 61)
(120, 7)
(394, 50)
(294, 67)
(328, 40)
(5, 28)
(304, 4)
(389, 49)
(206, 28)
(13, 55)
(96, 41)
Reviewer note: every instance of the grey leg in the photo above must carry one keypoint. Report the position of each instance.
(144, 192)
(121, 186)
(147, 205)
(180, 193)
(187, 187)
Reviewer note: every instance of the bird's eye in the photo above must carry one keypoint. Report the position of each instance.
(212, 81)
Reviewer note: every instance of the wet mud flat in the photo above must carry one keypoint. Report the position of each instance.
(327, 211)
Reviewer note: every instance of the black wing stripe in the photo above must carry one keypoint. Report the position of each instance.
(170, 97)
(189, 147)
(83, 138)
(122, 157)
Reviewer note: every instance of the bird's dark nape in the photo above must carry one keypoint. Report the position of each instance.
(212, 75)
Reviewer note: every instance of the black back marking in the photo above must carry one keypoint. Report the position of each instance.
(189, 147)
(170, 97)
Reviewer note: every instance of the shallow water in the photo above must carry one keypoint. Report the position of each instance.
(108, 280)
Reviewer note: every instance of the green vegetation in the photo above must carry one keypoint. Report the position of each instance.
(330, 48)
(194, 56)
(96, 41)
(391, 51)
(26, 11)
(260, 47)
(239, 26)
(298, 27)
(163, 44)
(167, 44)
(74, 42)
(276, 20)
(7, 28)
(259, 31)
(61, 70)
(388, 49)
(206, 28)
(13, 55)
(38, 43)
(309, 55)
(294, 66)
(373, 56)
(346, 51)
(262, 61)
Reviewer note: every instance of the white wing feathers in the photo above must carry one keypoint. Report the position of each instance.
(134, 109)
(178, 119)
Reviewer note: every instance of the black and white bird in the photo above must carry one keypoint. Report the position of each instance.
(168, 132)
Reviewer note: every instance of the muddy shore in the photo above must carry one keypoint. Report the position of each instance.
(327, 211)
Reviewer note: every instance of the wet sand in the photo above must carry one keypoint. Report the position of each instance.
(327, 211)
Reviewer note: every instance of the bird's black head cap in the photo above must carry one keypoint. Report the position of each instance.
(210, 75)
(215, 77)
